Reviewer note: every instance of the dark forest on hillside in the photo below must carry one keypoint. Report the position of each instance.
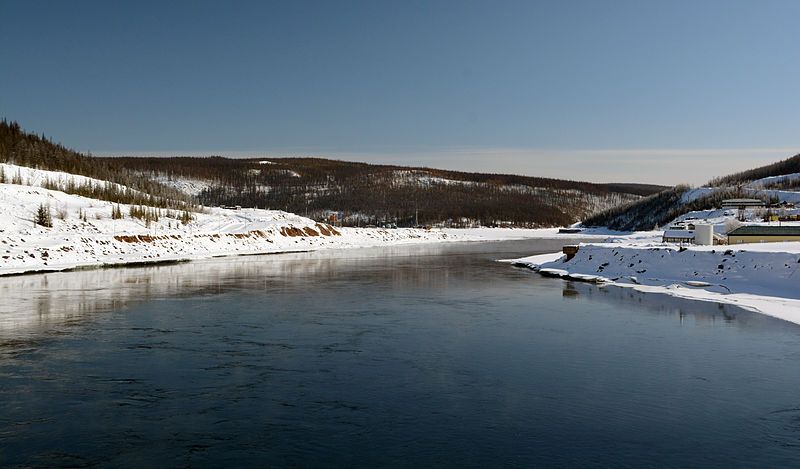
(374, 194)
(358, 193)
(787, 166)
(661, 208)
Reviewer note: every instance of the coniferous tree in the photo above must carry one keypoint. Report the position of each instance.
(186, 217)
(43, 217)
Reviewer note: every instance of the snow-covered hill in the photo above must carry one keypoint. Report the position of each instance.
(23, 175)
(85, 234)
(663, 208)
(780, 181)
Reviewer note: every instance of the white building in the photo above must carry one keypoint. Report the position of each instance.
(679, 233)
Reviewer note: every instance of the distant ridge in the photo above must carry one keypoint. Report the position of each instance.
(356, 193)
(362, 193)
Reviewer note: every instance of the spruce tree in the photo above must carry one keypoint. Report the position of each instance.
(43, 216)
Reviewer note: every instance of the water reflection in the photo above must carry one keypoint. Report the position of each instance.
(698, 312)
(427, 355)
(35, 303)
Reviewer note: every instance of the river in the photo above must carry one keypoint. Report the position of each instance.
(431, 355)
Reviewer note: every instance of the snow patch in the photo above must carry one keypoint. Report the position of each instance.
(189, 186)
(774, 180)
(695, 193)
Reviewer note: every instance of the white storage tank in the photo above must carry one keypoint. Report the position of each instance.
(703, 234)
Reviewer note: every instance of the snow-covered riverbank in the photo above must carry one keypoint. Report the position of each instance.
(84, 233)
(758, 277)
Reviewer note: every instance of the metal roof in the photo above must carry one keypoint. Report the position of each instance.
(686, 234)
(755, 230)
(727, 203)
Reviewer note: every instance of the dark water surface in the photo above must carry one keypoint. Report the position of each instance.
(427, 356)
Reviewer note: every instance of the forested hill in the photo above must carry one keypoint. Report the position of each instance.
(37, 151)
(781, 168)
(774, 183)
(361, 193)
(357, 193)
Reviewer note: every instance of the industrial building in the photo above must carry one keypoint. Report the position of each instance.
(764, 234)
(690, 233)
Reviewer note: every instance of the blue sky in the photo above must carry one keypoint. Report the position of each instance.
(667, 92)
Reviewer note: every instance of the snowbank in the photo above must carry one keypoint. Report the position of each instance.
(96, 239)
(758, 277)
(85, 235)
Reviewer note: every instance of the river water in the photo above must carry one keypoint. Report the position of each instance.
(426, 355)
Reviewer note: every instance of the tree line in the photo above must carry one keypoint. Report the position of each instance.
(387, 193)
(37, 151)
(319, 186)
(787, 166)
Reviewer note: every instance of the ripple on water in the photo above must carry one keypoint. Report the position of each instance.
(370, 360)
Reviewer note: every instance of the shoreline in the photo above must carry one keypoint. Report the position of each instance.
(241, 248)
(757, 278)
(135, 260)
(91, 233)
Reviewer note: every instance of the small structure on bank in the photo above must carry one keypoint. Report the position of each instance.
(570, 250)
(689, 233)
(742, 205)
(680, 233)
(764, 234)
(704, 234)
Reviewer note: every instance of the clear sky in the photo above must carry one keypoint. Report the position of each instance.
(649, 91)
